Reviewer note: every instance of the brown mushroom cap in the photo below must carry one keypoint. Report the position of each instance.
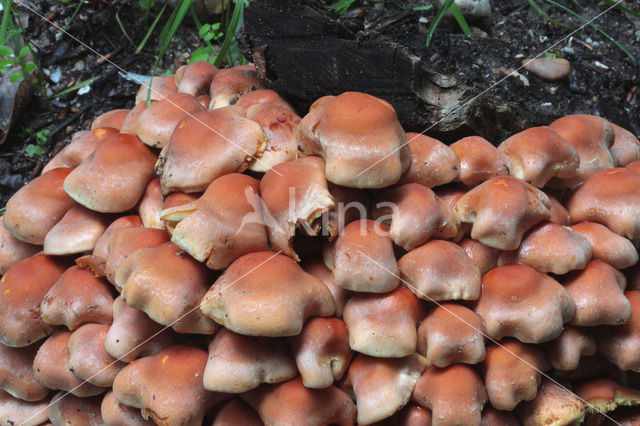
(538, 154)
(450, 194)
(564, 353)
(484, 256)
(382, 386)
(455, 395)
(84, 144)
(559, 213)
(161, 87)
(321, 351)
(36, 207)
(113, 178)
(493, 417)
(621, 344)
(440, 270)
(167, 386)
(111, 119)
(16, 374)
(318, 269)
(625, 148)
(350, 204)
(116, 414)
(131, 120)
(54, 163)
(77, 232)
(151, 205)
(236, 412)
(432, 162)
(15, 411)
(608, 246)
(502, 209)
(77, 298)
(451, 334)
(384, 325)
(604, 395)
(479, 160)
(553, 405)
(359, 137)
(239, 363)
(196, 77)
(148, 280)
(262, 96)
(12, 250)
(511, 373)
(241, 301)
(231, 83)
(22, 289)
(521, 302)
(292, 403)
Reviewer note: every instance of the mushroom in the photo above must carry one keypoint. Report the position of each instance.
(518, 301)
(479, 160)
(240, 300)
(161, 87)
(493, 417)
(350, 204)
(131, 120)
(112, 119)
(151, 205)
(621, 344)
(384, 325)
(15, 411)
(319, 270)
(608, 246)
(77, 297)
(625, 148)
(22, 289)
(450, 194)
(554, 405)
(564, 353)
(54, 163)
(359, 137)
(83, 144)
(77, 232)
(13, 250)
(116, 414)
(196, 77)
(16, 374)
(484, 256)
(559, 213)
(36, 207)
(236, 412)
(239, 363)
(231, 83)
(502, 209)
(262, 96)
(113, 178)
(604, 395)
(432, 162)
(382, 386)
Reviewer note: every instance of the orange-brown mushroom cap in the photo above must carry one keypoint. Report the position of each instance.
(318, 269)
(111, 119)
(564, 353)
(77, 232)
(131, 120)
(554, 405)
(15, 411)
(16, 373)
(493, 417)
(479, 160)
(262, 96)
(83, 144)
(54, 163)
(151, 205)
(12, 250)
(559, 213)
(116, 414)
(196, 77)
(432, 162)
(608, 246)
(621, 344)
(237, 412)
(231, 83)
(484, 256)
(161, 87)
(625, 148)
(604, 395)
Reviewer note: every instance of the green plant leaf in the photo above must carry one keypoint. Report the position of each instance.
(623, 8)
(149, 31)
(204, 29)
(32, 150)
(75, 87)
(436, 19)
(231, 32)
(30, 67)
(342, 6)
(24, 52)
(6, 51)
(16, 76)
(457, 14)
(201, 54)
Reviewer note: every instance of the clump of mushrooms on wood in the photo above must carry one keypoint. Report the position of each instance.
(213, 258)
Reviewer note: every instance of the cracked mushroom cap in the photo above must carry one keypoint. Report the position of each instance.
(416, 214)
(161, 87)
(240, 363)
(502, 209)
(455, 395)
(564, 353)
(36, 207)
(78, 297)
(50, 367)
(479, 160)
(83, 144)
(608, 246)
(364, 260)
(598, 294)
(625, 148)
(511, 373)
(222, 225)
(382, 386)
(22, 289)
(451, 334)
(229, 84)
(151, 205)
(262, 96)
(520, 302)
(77, 232)
(484, 256)
(553, 406)
(196, 77)
(295, 194)
(621, 344)
(591, 136)
(292, 403)
(116, 414)
(208, 145)
(242, 301)
(432, 162)
(605, 395)
(16, 373)
(168, 285)
(440, 270)
(14, 411)
(167, 386)
(112, 119)
(384, 325)
(236, 412)
(12, 250)
(549, 247)
(321, 351)
(113, 178)
(359, 137)
(318, 269)
(610, 197)
(538, 154)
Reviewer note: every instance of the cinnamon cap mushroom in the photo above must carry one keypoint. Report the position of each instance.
(479, 160)
(432, 162)
(77, 232)
(231, 83)
(161, 87)
(621, 344)
(262, 96)
(116, 414)
(196, 77)
(112, 119)
(14, 411)
(565, 352)
(16, 373)
(12, 250)
(608, 246)
(151, 206)
(553, 405)
(83, 144)
(625, 148)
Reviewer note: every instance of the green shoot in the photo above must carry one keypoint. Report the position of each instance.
(623, 8)
(341, 6)
(122, 26)
(231, 31)
(75, 87)
(457, 14)
(150, 30)
(544, 14)
(41, 140)
(436, 19)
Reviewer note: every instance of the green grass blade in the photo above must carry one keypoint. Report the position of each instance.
(151, 28)
(75, 87)
(623, 8)
(342, 6)
(436, 19)
(544, 14)
(6, 16)
(231, 32)
(122, 26)
(75, 12)
(457, 14)
(422, 8)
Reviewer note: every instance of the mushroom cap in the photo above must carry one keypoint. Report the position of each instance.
(364, 260)
(559, 213)
(479, 160)
(538, 154)
(292, 403)
(608, 246)
(318, 269)
(455, 395)
(350, 204)
(239, 363)
(167, 386)
(116, 414)
(54, 163)
(492, 417)
(625, 148)
(262, 96)
(161, 87)
(241, 301)
(16, 373)
(77, 232)
(207, 145)
(231, 83)
(598, 294)
(432, 162)
(77, 297)
(440, 270)
(384, 325)
(321, 351)
(564, 353)
(148, 278)
(621, 344)
(131, 120)
(610, 197)
(88, 358)
(382, 386)
(605, 395)
(113, 178)
(511, 373)
(237, 412)
(22, 289)
(553, 406)
(518, 301)
(36, 207)
(450, 194)
(196, 77)
(111, 119)
(83, 144)
(359, 137)
(549, 247)
(156, 123)
(12, 250)
(451, 334)
(151, 205)
(484, 256)
(502, 209)
(15, 411)
(412, 415)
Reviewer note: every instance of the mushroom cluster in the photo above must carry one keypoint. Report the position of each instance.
(210, 257)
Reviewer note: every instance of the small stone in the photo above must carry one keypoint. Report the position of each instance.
(472, 8)
(551, 69)
(78, 66)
